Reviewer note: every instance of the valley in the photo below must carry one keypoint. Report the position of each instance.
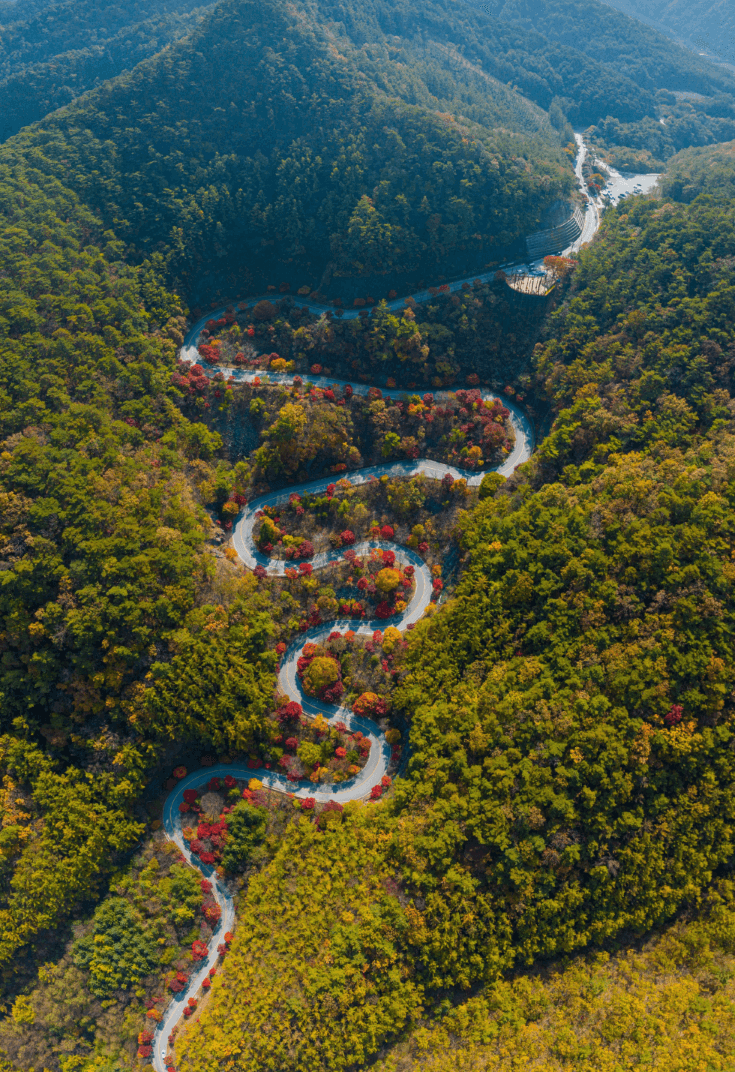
(367, 470)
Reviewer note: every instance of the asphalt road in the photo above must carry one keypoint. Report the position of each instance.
(591, 211)
(380, 752)
(355, 789)
(592, 223)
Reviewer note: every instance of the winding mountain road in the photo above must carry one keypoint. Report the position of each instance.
(244, 544)
(380, 751)
(591, 211)
(591, 225)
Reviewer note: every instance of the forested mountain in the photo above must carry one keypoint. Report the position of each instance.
(693, 171)
(694, 99)
(50, 53)
(241, 188)
(259, 170)
(42, 32)
(569, 709)
(569, 1018)
(641, 53)
(681, 123)
(705, 25)
(196, 162)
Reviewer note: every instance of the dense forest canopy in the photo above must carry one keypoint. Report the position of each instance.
(643, 54)
(569, 782)
(682, 122)
(705, 25)
(51, 53)
(588, 642)
(237, 188)
(283, 175)
(571, 708)
(636, 1007)
(265, 202)
(694, 170)
(101, 540)
(692, 101)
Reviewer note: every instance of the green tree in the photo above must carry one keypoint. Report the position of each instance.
(321, 672)
(246, 826)
(370, 238)
(391, 445)
(119, 952)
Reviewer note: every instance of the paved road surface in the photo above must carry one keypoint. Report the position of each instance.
(592, 222)
(380, 752)
(591, 211)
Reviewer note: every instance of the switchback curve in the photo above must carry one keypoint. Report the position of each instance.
(243, 542)
(380, 752)
(591, 225)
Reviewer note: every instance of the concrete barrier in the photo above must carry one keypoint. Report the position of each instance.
(542, 243)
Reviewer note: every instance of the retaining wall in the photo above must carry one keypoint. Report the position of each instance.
(555, 239)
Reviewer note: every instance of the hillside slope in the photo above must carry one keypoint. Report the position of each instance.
(50, 54)
(708, 170)
(702, 24)
(255, 171)
(265, 150)
(571, 706)
(621, 41)
(255, 134)
(694, 98)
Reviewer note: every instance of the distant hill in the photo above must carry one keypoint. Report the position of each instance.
(245, 150)
(50, 53)
(348, 140)
(709, 170)
(694, 99)
(703, 24)
(329, 139)
(620, 42)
